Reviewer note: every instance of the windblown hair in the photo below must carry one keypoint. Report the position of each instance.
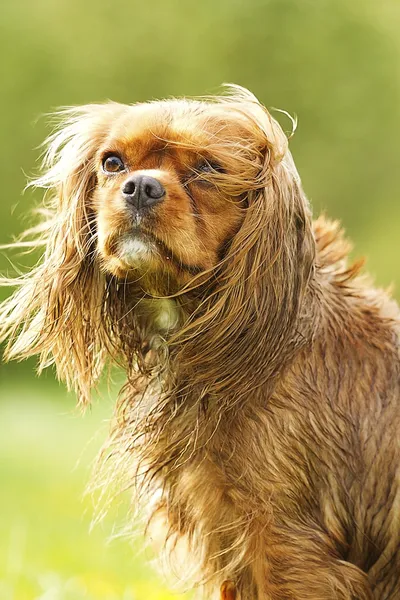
(250, 417)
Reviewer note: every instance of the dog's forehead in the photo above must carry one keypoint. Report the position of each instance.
(176, 121)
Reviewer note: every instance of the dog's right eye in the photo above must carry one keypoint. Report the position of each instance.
(113, 164)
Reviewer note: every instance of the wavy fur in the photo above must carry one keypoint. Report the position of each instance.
(263, 421)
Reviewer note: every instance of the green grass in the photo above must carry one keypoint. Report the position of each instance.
(47, 550)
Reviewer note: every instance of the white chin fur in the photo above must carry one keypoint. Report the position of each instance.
(133, 250)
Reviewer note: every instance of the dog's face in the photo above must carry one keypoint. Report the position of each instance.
(171, 188)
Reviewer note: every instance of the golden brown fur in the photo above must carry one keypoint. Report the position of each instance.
(261, 412)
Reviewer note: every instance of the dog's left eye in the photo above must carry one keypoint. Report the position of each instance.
(113, 164)
(209, 166)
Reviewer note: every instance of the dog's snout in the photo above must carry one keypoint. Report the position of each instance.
(142, 191)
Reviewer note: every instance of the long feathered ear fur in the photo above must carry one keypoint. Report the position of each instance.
(255, 320)
(56, 310)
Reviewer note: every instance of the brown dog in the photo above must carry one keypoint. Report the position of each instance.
(261, 413)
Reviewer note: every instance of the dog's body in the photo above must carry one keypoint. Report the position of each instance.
(262, 405)
(300, 494)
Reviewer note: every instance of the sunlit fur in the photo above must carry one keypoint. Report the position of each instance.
(260, 417)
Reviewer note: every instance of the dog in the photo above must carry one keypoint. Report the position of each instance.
(260, 417)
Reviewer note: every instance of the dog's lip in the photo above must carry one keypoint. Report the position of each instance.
(152, 241)
(146, 236)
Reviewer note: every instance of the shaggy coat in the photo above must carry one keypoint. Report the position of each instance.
(261, 412)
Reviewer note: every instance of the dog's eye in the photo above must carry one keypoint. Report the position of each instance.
(209, 166)
(202, 173)
(113, 164)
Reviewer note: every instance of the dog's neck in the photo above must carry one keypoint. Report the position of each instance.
(159, 316)
(177, 393)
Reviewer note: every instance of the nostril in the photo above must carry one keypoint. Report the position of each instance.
(152, 188)
(129, 188)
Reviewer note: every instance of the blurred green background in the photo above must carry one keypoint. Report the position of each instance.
(335, 63)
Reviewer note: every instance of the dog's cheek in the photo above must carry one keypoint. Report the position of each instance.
(181, 227)
(221, 224)
(111, 220)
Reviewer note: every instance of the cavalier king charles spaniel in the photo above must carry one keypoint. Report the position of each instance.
(260, 418)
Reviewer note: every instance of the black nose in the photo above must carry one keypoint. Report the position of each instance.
(142, 191)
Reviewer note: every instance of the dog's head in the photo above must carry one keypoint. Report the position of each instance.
(171, 183)
(165, 196)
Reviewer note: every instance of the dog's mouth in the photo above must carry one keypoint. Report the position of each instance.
(136, 247)
(142, 249)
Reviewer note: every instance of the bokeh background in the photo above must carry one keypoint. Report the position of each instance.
(335, 63)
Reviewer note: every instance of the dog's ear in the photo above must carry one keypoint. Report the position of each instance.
(259, 314)
(275, 255)
(56, 311)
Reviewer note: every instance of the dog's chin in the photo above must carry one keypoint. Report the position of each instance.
(134, 256)
(143, 257)
(136, 251)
